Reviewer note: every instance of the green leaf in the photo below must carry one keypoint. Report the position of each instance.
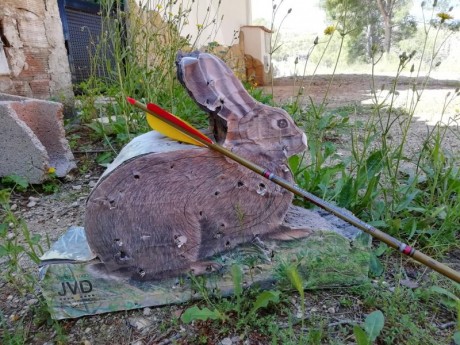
(346, 195)
(381, 249)
(15, 179)
(4, 197)
(294, 163)
(329, 149)
(3, 229)
(445, 293)
(33, 257)
(35, 239)
(360, 335)
(325, 121)
(408, 199)
(264, 298)
(195, 313)
(104, 158)
(373, 324)
(457, 338)
(375, 266)
(237, 277)
(3, 251)
(295, 279)
(374, 163)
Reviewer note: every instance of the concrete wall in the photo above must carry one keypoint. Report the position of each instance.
(257, 43)
(236, 13)
(33, 58)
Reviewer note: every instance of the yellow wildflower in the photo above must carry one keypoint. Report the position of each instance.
(51, 170)
(159, 7)
(444, 16)
(329, 30)
(199, 26)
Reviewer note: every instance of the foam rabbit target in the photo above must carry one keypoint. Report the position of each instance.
(168, 208)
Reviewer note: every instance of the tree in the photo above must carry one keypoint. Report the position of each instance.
(371, 24)
(386, 11)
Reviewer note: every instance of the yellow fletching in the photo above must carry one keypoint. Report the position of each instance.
(169, 131)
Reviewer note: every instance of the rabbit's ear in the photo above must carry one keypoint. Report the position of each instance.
(212, 84)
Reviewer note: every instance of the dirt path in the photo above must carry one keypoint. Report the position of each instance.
(353, 91)
(349, 89)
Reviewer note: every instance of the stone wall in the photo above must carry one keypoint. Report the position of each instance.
(32, 52)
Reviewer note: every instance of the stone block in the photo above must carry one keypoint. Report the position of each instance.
(254, 70)
(4, 68)
(32, 139)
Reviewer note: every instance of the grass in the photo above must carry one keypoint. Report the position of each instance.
(354, 160)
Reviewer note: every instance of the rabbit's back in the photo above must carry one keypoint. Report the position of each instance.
(160, 212)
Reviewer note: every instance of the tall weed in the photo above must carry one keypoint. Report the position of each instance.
(135, 56)
(375, 174)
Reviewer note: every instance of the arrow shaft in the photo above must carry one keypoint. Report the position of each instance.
(338, 212)
(348, 217)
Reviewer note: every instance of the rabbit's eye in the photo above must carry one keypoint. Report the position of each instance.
(282, 123)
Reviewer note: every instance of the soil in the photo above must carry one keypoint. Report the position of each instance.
(50, 215)
(353, 93)
(346, 89)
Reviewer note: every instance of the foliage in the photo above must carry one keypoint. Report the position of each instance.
(366, 24)
(16, 182)
(20, 184)
(373, 325)
(204, 314)
(16, 243)
(245, 305)
(11, 231)
(413, 198)
(136, 57)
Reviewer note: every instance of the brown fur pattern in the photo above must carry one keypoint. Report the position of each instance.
(162, 214)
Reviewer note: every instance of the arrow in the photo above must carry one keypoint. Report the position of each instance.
(177, 129)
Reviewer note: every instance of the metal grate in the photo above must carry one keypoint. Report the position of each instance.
(84, 35)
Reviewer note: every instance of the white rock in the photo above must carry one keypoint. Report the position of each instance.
(139, 322)
(32, 301)
(226, 341)
(236, 339)
(31, 204)
(147, 311)
(411, 284)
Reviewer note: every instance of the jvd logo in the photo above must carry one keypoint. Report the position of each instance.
(83, 286)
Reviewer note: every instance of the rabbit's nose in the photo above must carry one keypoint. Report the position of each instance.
(304, 139)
